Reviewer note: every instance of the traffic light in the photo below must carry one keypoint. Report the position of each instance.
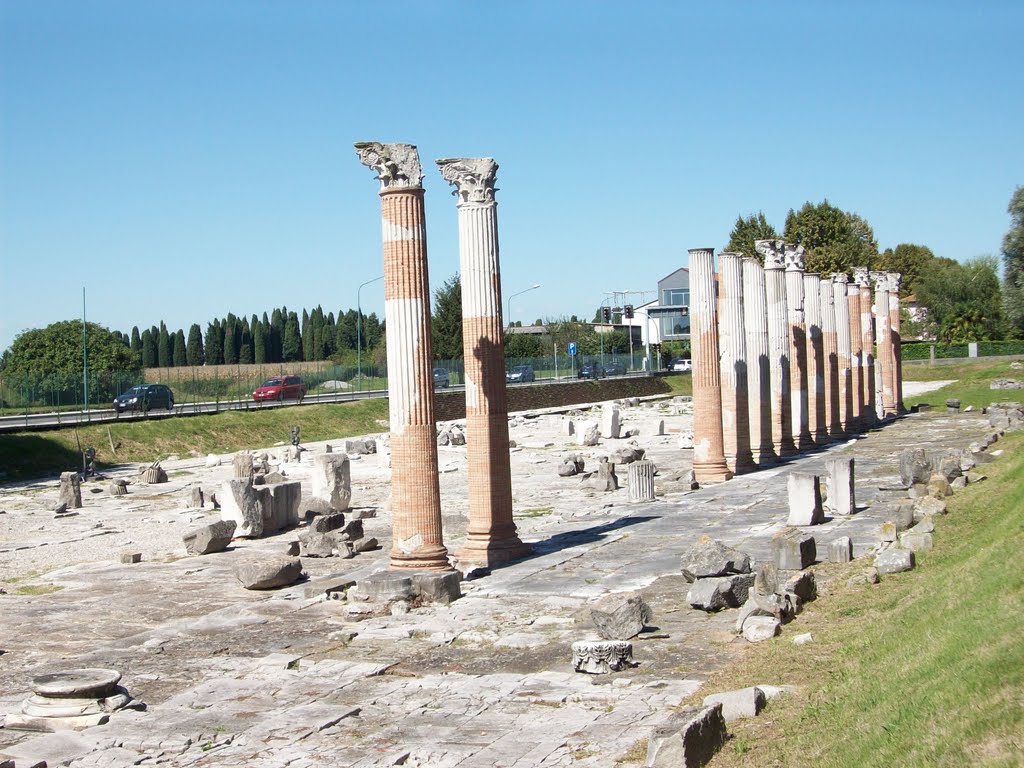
(627, 311)
(606, 314)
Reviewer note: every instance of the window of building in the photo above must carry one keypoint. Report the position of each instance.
(676, 324)
(676, 297)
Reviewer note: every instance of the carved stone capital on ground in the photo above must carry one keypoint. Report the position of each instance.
(473, 177)
(397, 165)
(860, 277)
(795, 257)
(773, 252)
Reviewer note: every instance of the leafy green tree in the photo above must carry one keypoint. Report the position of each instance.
(962, 301)
(194, 350)
(519, 345)
(164, 348)
(907, 259)
(373, 331)
(446, 323)
(836, 241)
(1013, 265)
(745, 231)
(56, 350)
(345, 333)
(291, 343)
(180, 353)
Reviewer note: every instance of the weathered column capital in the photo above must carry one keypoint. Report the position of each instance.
(773, 252)
(397, 165)
(895, 278)
(860, 277)
(473, 178)
(841, 277)
(794, 255)
(881, 281)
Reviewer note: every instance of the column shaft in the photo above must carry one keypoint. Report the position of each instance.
(883, 329)
(867, 329)
(856, 358)
(842, 308)
(733, 365)
(816, 419)
(797, 347)
(778, 346)
(755, 326)
(897, 340)
(708, 455)
(831, 359)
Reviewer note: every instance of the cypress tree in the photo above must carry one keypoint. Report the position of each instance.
(149, 358)
(291, 343)
(194, 349)
(230, 342)
(307, 336)
(180, 352)
(259, 343)
(245, 355)
(214, 343)
(164, 350)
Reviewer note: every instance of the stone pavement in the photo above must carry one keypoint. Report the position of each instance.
(286, 678)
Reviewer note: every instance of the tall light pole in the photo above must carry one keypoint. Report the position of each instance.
(85, 364)
(535, 285)
(359, 330)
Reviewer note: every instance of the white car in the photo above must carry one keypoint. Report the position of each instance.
(681, 365)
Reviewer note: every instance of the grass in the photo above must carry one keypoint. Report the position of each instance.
(681, 384)
(31, 454)
(924, 669)
(971, 387)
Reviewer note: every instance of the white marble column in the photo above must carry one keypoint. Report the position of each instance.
(895, 278)
(842, 308)
(733, 364)
(867, 331)
(778, 345)
(759, 394)
(708, 456)
(856, 359)
(831, 358)
(816, 419)
(797, 346)
(491, 537)
(884, 340)
(417, 540)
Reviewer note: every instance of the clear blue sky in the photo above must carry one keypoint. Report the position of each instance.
(186, 159)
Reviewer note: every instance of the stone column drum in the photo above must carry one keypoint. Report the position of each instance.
(856, 357)
(831, 357)
(797, 345)
(733, 356)
(816, 419)
(895, 278)
(886, 401)
(708, 457)
(778, 345)
(759, 394)
(842, 308)
(417, 540)
(491, 537)
(867, 331)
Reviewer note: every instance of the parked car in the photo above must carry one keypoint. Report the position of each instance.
(592, 370)
(518, 374)
(280, 388)
(145, 397)
(615, 368)
(441, 379)
(682, 364)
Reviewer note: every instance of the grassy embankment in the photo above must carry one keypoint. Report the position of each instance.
(925, 668)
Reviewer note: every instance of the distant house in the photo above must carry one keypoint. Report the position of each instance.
(667, 318)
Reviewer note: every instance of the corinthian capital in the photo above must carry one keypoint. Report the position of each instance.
(397, 165)
(773, 252)
(841, 277)
(860, 277)
(473, 177)
(881, 280)
(794, 257)
(895, 278)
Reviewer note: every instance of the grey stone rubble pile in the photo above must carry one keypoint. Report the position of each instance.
(571, 465)
(1005, 415)
(453, 435)
(720, 576)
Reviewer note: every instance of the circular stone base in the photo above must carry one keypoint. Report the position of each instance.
(93, 683)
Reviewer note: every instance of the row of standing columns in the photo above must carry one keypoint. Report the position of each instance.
(785, 360)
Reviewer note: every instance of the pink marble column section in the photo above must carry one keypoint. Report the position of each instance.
(732, 342)
(884, 334)
(842, 308)
(895, 278)
(708, 455)
(867, 331)
(417, 540)
(797, 346)
(491, 538)
(778, 344)
(831, 357)
(816, 420)
(856, 359)
(759, 393)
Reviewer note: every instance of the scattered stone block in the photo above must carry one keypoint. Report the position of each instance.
(867, 576)
(739, 705)
(621, 616)
(599, 657)
(242, 467)
(330, 586)
(383, 587)
(888, 531)
(803, 639)
(928, 506)
(588, 433)
(568, 427)
(902, 516)
(916, 541)
(351, 532)
(804, 499)
(793, 550)
(361, 446)
(571, 465)
(841, 496)
(196, 498)
(325, 523)
(804, 586)
(332, 480)
(708, 557)
(241, 503)
(437, 586)
(313, 544)
(840, 550)
(70, 493)
(655, 428)
(952, 405)
(926, 525)
(610, 422)
(604, 479)
(690, 740)
(894, 561)
(118, 488)
(914, 466)
(959, 483)
(310, 508)
(131, 557)
(641, 481)
(938, 487)
(364, 544)
(270, 573)
(757, 629)
(718, 592)
(279, 503)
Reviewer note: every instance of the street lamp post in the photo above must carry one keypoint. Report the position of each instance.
(359, 331)
(532, 287)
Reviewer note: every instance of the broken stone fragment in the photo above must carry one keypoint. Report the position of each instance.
(620, 616)
(214, 537)
(803, 586)
(70, 490)
(325, 523)
(738, 705)
(708, 557)
(793, 550)
(331, 480)
(196, 498)
(604, 479)
(588, 433)
(928, 507)
(894, 561)
(350, 532)
(840, 550)
(804, 499)
(270, 573)
(599, 657)
(691, 739)
(717, 592)
(757, 629)
(916, 541)
(313, 544)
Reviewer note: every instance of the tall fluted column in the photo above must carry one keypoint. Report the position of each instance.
(797, 345)
(778, 345)
(842, 308)
(708, 456)
(491, 537)
(856, 359)
(816, 422)
(831, 356)
(733, 356)
(417, 539)
(759, 397)
(884, 332)
(895, 334)
(867, 330)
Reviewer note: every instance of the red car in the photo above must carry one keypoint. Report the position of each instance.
(280, 388)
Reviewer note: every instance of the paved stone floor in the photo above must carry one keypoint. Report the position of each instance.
(290, 678)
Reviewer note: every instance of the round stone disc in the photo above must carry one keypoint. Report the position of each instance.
(77, 683)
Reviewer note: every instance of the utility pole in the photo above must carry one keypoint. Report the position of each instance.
(85, 361)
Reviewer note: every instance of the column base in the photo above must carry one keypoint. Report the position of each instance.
(711, 473)
(805, 442)
(428, 559)
(490, 553)
(742, 465)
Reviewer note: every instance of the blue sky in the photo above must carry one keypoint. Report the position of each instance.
(181, 160)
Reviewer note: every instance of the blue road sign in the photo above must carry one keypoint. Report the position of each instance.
(572, 347)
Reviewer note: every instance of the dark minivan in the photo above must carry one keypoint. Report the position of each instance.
(145, 397)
